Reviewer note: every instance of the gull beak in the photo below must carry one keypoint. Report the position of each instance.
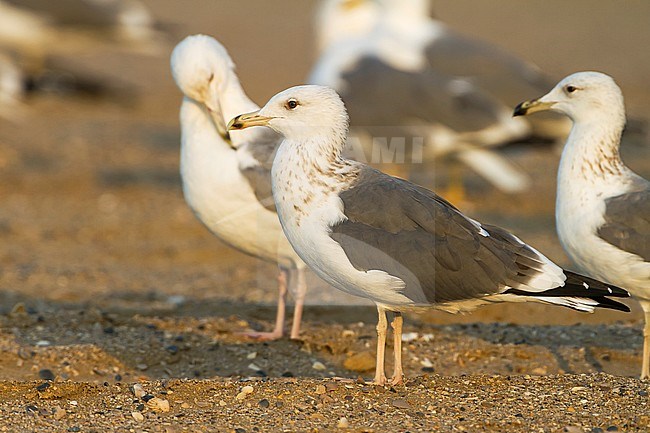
(247, 120)
(216, 114)
(532, 106)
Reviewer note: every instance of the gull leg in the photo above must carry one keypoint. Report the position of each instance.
(301, 289)
(283, 280)
(398, 373)
(382, 325)
(645, 366)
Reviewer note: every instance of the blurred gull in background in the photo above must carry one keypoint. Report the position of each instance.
(35, 31)
(402, 73)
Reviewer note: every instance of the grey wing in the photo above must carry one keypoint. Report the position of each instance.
(378, 95)
(76, 12)
(413, 234)
(493, 69)
(256, 159)
(627, 222)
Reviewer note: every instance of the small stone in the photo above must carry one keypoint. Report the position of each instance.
(597, 430)
(360, 362)
(59, 413)
(138, 390)
(147, 397)
(172, 349)
(343, 423)
(578, 388)
(643, 393)
(251, 355)
(401, 403)
(142, 367)
(43, 386)
(247, 389)
(264, 403)
(612, 428)
(317, 365)
(347, 333)
(46, 374)
(320, 389)
(185, 405)
(137, 416)
(573, 429)
(254, 367)
(43, 343)
(426, 363)
(331, 386)
(74, 428)
(73, 403)
(158, 404)
(222, 403)
(407, 337)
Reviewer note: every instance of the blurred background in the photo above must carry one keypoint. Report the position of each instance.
(92, 211)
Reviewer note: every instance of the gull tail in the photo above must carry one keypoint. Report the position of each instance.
(495, 169)
(580, 293)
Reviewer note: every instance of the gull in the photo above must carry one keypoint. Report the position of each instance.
(227, 179)
(603, 208)
(384, 56)
(391, 241)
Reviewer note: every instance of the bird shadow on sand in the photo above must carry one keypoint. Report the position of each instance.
(131, 336)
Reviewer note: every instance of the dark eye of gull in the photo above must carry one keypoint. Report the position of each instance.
(211, 78)
(291, 104)
(571, 89)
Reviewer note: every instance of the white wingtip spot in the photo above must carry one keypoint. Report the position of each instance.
(483, 232)
(586, 285)
(609, 290)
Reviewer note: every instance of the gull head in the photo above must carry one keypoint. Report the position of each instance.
(201, 68)
(583, 96)
(301, 113)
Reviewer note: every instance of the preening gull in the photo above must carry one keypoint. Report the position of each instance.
(227, 180)
(391, 241)
(603, 208)
(384, 57)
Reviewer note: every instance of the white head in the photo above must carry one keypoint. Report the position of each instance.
(202, 69)
(337, 20)
(301, 113)
(583, 96)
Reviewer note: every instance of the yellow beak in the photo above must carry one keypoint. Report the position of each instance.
(247, 120)
(532, 106)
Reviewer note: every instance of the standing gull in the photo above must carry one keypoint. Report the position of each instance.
(391, 241)
(227, 180)
(603, 208)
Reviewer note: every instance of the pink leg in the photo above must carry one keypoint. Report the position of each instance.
(396, 324)
(382, 325)
(645, 366)
(301, 289)
(278, 331)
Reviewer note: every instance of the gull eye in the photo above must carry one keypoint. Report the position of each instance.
(211, 77)
(291, 104)
(570, 89)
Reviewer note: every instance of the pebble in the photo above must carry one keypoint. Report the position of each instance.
(343, 423)
(317, 365)
(320, 389)
(251, 355)
(43, 386)
(138, 390)
(407, 337)
(573, 429)
(359, 362)
(244, 392)
(185, 405)
(142, 367)
(254, 367)
(46, 374)
(264, 403)
(401, 403)
(59, 413)
(426, 363)
(137, 416)
(347, 333)
(578, 388)
(158, 404)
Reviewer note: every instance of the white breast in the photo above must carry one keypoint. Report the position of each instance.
(580, 210)
(307, 209)
(221, 197)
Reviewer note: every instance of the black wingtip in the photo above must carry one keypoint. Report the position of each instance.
(604, 302)
(575, 280)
